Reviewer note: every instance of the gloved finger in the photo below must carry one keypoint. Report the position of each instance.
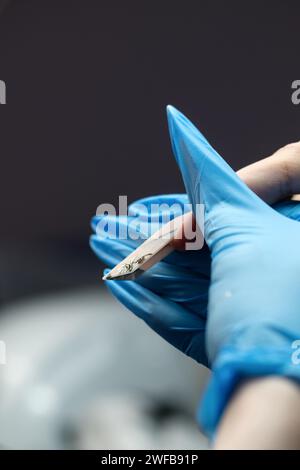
(132, 232)
(181, 328)
(198, 261)
(178, 284)
(111, 253)
(209, 180)
(160, 208)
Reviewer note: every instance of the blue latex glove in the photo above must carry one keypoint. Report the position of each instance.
(254, 294)
(172, 296)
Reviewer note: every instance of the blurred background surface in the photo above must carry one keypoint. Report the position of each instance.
(87, 85)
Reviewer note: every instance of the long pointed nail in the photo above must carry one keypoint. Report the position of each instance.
(107, 277)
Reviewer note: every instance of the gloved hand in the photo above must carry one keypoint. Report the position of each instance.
(254, 294)
(172, 296)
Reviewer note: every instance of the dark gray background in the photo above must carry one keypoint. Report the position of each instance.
(87, 85)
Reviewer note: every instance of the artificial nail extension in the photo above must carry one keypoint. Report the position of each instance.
(153, 250)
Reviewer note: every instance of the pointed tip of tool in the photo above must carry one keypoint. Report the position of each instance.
(106, 277)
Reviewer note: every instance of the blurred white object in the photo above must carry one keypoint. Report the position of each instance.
(68, 351)
(122, 421)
